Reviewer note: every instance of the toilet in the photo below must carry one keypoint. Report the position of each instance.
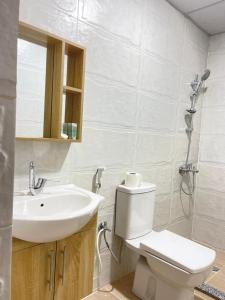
(169, 266)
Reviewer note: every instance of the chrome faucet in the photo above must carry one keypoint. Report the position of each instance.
(35, 188)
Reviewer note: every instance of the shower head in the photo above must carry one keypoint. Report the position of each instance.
(206, 74)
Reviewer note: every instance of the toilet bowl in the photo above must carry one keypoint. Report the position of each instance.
(170, 266)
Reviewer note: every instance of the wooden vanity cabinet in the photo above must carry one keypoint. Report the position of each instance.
(32, 273)
(61, 270)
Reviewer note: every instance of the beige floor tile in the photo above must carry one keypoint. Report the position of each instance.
(201, 296)
(220, 258)
(218, 281)
(122, 288)
(211, 275)
(101, 296)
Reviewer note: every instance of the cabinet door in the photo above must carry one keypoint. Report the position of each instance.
(74, 271)
(33, 271)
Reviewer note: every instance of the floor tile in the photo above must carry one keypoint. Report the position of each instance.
(218, 281)
(101, 296)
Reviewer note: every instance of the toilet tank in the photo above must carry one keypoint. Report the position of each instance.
(134, 210)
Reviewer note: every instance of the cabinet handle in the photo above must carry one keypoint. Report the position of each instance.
(63, 252)
(51, 256)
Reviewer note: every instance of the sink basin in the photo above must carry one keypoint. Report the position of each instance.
(56, 213)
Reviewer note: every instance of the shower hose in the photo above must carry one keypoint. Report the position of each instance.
(188, 193)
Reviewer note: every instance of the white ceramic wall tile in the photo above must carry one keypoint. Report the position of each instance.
(209, 231)
(160, 175)
(210, 204)
(193, 58)
(111, 103)
(182, 144)
(162, 210)
(217, 43)
(212, 148)
(181, 207)
(34, 129)
(54, 16)
(167, 40)
(162, 8)
(123, 18)
(67, 7)
(153, 148)
(104, 147)
(182, 227)
(113, 60)
(156, 114)
(159, 75)
(196, 35)
(215, 95)
(211, 177)
(216, 64)
(213, 122)
(50, 157)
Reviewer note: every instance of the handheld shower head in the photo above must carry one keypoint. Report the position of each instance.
(197, 87)
(206, 74)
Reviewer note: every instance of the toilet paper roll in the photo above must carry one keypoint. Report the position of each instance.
(133, 179)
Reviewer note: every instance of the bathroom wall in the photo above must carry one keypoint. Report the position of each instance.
(209, 221)
(9, 11)
(141, 56)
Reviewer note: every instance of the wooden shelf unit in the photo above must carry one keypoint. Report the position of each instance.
(57, 48)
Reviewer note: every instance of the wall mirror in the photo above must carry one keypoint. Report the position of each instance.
(50, 83)
(31, 76)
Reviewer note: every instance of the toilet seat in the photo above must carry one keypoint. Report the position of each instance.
(176, 250)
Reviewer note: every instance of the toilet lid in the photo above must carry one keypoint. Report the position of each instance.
(179, 251)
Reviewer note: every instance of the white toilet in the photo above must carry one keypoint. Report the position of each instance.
(169, 266)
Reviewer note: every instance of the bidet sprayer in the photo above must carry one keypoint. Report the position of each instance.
(97, 178)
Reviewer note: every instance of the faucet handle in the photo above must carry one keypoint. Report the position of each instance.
(40, 183)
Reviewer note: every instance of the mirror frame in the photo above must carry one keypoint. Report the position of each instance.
(57, 48)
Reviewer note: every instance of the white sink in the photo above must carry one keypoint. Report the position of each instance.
(54, 214)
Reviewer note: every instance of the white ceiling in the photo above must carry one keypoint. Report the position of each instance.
(207, 14)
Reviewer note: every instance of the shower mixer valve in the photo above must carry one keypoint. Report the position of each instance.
(189, 168)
